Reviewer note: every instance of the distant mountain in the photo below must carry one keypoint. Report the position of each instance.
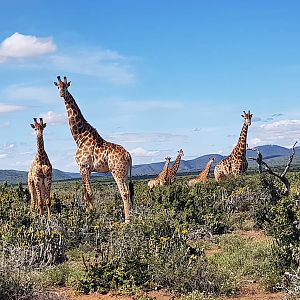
(14, 176)
(274, 154)
(270, 151)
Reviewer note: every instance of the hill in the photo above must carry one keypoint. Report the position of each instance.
(275, 156)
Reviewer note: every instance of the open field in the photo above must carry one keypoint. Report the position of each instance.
(234, 240)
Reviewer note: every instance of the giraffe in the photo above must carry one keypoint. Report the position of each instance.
(203, 176)
(236, 163)
(94, 154)
(173, 170)
(161, 179)
(40, 172)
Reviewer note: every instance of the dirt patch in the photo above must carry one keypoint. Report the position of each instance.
(71, 295)
(255, 234)
(212, 250)
(252, 291)
(249, 291)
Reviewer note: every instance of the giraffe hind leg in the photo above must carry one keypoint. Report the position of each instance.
(88, 192)
(124, 191)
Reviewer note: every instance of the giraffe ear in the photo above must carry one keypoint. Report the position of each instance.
(69, 83)
(55, 83)
(32, 126)
(44, 125)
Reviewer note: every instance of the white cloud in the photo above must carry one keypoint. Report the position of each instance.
(19, 46)
(283, 132)
(141, 152)
(4, 155)
(104, 64)
(52, 117)
(4, 107)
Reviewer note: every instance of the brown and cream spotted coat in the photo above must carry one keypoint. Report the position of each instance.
(94, 154)
(40, 172)
(236, 163)
(203, 176)
(161, 179)
(173, 170)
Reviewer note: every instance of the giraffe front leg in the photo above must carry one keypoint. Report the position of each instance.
(48, 182)
(88, 192)
(39, 192)
(32, 191)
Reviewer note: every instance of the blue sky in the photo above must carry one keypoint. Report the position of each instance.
(153, 76)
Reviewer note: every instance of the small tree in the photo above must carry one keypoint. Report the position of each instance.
(282, 177)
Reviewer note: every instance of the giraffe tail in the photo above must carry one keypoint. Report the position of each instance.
(131, 186)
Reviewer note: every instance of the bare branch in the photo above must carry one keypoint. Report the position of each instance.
(282, 178)
(290, 160)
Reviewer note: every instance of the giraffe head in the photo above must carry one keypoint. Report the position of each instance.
(62, 85)
(38, 126)
(180, 152)
(168, 158)
(247, 117)
(211, 159)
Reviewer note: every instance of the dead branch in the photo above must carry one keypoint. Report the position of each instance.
(261, 164)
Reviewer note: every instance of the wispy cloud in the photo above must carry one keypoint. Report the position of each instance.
(141, 152)
(104, 64)
(30, 93)
(146, 105)
(5, 124)
(4, 107)
(145, 137)
(19, 46)
(277, 115)
(256, 119)
(204, 129)
(283, 132)
(52, 117)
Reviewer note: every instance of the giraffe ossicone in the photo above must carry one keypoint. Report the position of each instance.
(40, 173)
(94, 154)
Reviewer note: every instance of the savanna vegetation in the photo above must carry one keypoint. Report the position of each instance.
(182, 239)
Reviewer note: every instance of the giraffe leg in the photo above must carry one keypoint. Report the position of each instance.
(33, 195)
(88, 192)
(39, 191)
(48, 183)
(124, 191)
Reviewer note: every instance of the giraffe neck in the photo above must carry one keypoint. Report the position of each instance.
(175, 166)
(79, 127)
(239, 150)
(166, 166)
(40, 147)
(206, 169)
